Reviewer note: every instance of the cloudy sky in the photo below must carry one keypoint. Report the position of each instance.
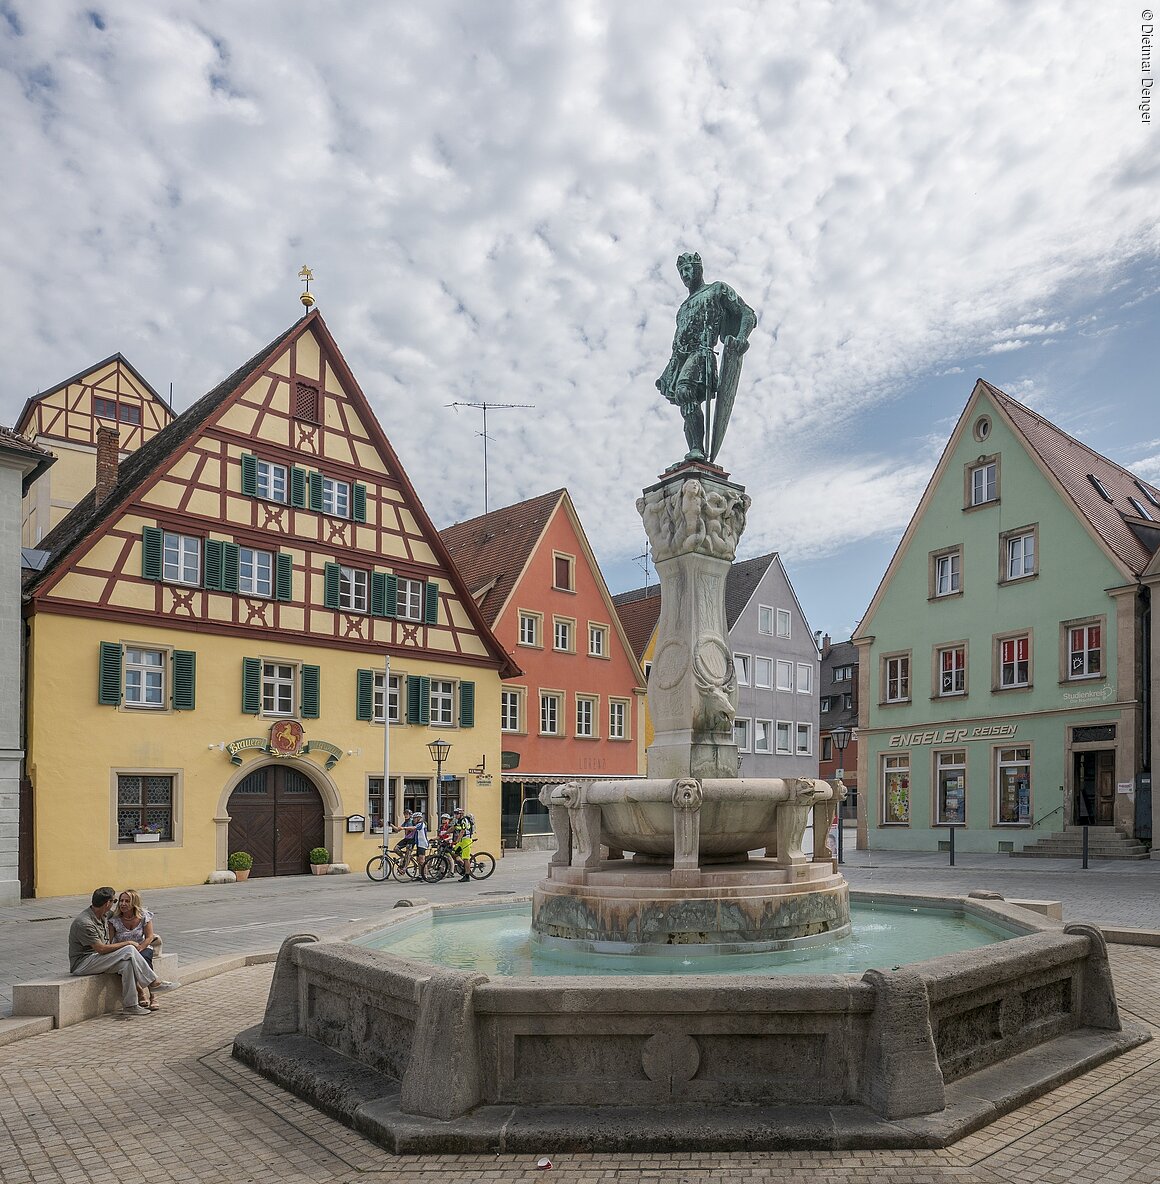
(492, 196)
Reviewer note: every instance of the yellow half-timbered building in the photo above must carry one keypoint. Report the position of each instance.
(217, 631)
(67, 419)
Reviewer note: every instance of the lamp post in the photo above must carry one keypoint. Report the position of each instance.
(438, 750)
(841, 738)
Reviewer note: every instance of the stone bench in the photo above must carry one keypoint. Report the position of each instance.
(74, 998)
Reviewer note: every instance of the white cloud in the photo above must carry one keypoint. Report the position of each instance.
(492, 197)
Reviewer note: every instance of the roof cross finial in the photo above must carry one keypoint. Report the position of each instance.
(306, 275)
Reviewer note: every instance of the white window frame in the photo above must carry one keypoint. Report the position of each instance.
(409, 599)
(741, 666)
(784, 623)
(843, 673)
(806, 730)
(949, 764)
(895, 764)
(1083, 670)
(783, 737)
(442, 703)
(393, 699)
(948, 573)
(551, 705)
(597, 640)
(951, 683)
(530, 626)
(563, 635)
(618, 719)
(145, 681)
(826, 703)
(354, 589)
(763, 736)
(1020, 559)
(784, 675)
(1014, 683)
(763, 673)
(984, 481)
(255, 572)
(805, 678)
(743, 734)
(180, 558)
(279, 688)
(765, 620)
(897, 676)
(335, 497)
(587, 707)
(272, 481)
(511, 710)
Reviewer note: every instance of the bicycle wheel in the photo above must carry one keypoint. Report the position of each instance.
(482, 865)
(379, 868)
(407, 868)
(436, 868)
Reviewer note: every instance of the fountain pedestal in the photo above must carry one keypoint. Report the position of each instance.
(692, 822)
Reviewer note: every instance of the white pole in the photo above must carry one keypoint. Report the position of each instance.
(388, 804)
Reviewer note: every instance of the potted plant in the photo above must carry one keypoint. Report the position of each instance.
(240, 863)
(149, 832)
(319, 861)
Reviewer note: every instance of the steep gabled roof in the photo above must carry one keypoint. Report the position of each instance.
(32, 400)
(86, 516)
(492, 550)
(1113, 522)
(741, 583)
(149, 461)
(1070, 462)
(639, 612)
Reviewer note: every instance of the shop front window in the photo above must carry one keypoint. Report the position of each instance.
(1013, 788)
(896, 790)
(951, 788)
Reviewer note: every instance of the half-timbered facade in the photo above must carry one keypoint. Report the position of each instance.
(67, 420)
(578, 711)
(209, 644)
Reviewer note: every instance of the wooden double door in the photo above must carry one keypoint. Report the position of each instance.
(1095, 788)
(276, 815)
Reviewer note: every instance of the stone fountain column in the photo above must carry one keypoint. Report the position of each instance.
(693, 518)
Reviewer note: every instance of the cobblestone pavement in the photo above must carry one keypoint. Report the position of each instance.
(207, 921)
(159, 1098)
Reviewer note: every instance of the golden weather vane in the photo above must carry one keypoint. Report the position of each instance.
(306, 275)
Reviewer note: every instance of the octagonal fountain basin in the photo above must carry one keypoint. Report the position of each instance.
(496, 940)
(458, 1036)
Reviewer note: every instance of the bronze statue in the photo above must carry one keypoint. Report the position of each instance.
(711, 313)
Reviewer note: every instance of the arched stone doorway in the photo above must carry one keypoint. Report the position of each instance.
(276, 814)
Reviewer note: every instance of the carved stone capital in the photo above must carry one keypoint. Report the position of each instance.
(694, 515)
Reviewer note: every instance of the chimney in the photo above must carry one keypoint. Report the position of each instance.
(107, 459)
(825, 645)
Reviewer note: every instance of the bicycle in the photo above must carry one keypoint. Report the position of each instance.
(402, 864)
(443, 862)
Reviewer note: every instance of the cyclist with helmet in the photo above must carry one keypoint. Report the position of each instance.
(462, 830)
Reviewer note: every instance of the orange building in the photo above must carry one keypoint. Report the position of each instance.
(578, 711)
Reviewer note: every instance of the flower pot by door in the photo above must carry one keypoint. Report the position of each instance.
(320, 869)
(242, 874)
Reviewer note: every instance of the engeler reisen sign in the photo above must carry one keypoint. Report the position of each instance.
(952, 735)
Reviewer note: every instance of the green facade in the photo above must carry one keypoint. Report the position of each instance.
(1004, 765)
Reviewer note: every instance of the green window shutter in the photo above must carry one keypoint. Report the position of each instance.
(364, 699)
(283, 577)
(249, 474)
(184, 680)
(418, 699)
(251, 686)
(213, 564)
(432, 606)
(467, 705)
(151, 552)
(311, 692)
(315, 484)
(109, 679)
(391, 596)
(359, 502)
(378, 593)
(330, 586)
(298, 487)
(229, 567)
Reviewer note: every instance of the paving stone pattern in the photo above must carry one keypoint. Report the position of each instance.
(159, 1098)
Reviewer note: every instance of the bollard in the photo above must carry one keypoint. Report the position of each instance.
(840, 860)
(952, 830)
(1085, 845)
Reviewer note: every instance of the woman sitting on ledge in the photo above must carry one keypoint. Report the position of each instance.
(131, 921)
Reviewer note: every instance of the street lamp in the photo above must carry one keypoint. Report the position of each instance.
(841, 738)
(438, 750)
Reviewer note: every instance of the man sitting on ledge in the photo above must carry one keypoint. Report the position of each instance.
(90, 951)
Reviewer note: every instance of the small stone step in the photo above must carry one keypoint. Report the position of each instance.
(1104, 842)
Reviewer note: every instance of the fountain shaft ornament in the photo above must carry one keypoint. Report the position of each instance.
(692, 380)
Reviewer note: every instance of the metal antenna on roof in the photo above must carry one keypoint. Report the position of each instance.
(484, 407)
(642, 560)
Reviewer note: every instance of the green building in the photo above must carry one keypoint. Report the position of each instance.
(1005, 675)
